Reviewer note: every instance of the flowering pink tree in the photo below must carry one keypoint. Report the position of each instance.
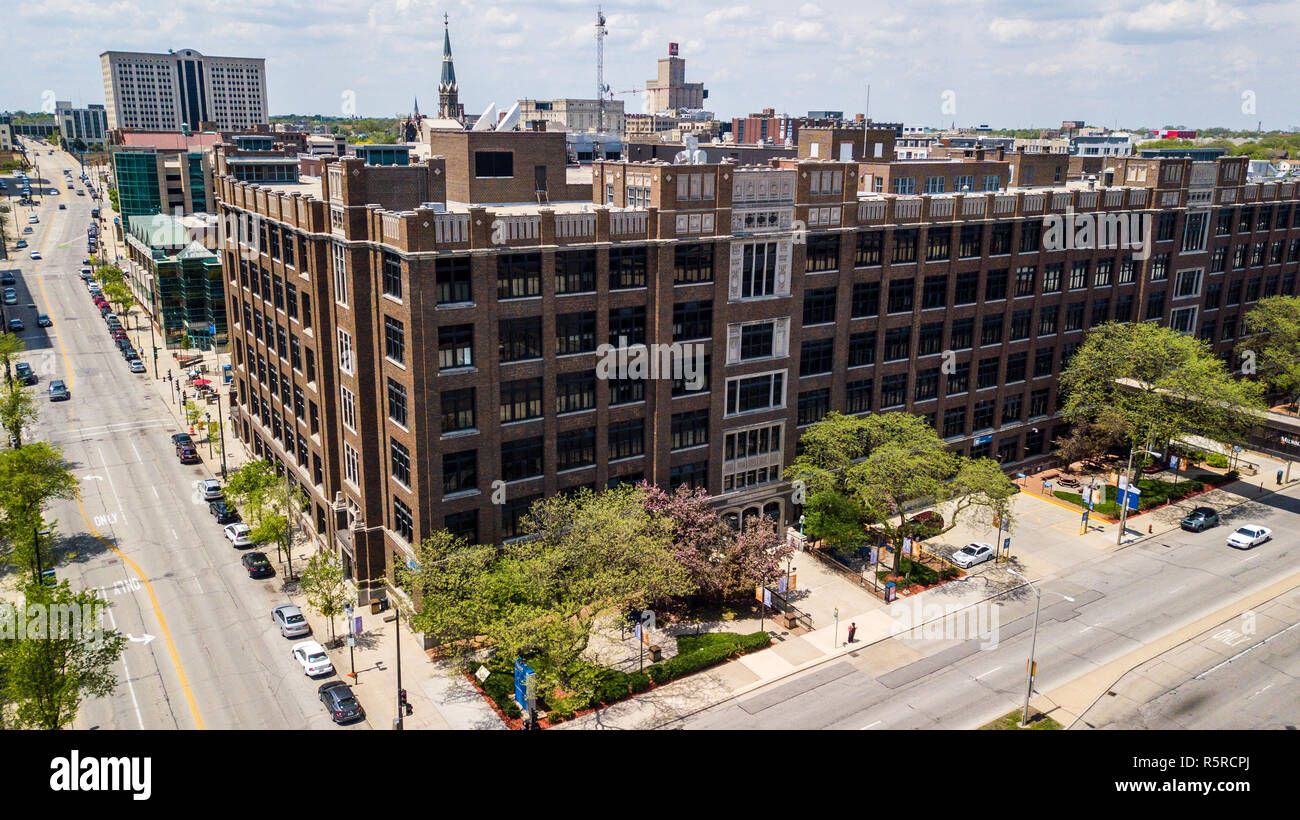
(756, 554)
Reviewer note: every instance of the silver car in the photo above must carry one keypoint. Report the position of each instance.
(209, 487)
(290, 620)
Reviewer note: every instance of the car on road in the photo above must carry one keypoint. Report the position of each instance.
(10, 296)
(62, 207)
(59, 391)
(27, 229)
(36, 254)
(187, 454)
(340, 702)
(22, 243)
(23, 372)
(290, 620)
(257, 564)
(976, 552)
(7, 278)
(135, 365)
(210, 487)
(43, 320)
(181, 438)
(1199, 519)
(1249, 536)
(223, 512)
(313, 658)
(33, 219)
(237, 535)
(16, 324)
(86, 274)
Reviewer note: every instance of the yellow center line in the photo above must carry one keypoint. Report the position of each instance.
(153, 598)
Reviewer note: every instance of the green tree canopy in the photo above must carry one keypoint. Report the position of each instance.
(1273, 344)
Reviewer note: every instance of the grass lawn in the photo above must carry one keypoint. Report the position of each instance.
(1012, 722)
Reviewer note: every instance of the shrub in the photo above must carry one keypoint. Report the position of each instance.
(948, 573)
(1218, 460)
(638, 682)
(1231, 475)
(612, 685)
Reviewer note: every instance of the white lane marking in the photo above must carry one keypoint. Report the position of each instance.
(111, 484)
(1244, 651)
(869, 725)
(990, 672)
(139, 719)
(197, 584)
(155, 493)
(1262, 691)
(175, 536)
(138, 458)
(1085, 629)
(1175, 589)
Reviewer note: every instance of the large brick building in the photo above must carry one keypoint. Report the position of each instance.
(402, 359)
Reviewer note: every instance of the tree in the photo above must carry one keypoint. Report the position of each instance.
(323, 584)
(1089, 440)
(755, 554)
(17, 410)
(31, 477)
(837, 519)
(1273, 344)
(119, 294)
(449, 585)
(46, 675)
(10, 347)
(269, 504)
(699, 535)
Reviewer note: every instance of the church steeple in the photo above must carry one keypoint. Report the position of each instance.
(415, 112)
(448, 90)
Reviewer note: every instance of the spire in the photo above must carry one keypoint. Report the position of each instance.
(448, 90)
(415, 112)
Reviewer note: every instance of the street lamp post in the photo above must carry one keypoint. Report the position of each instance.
(1033, 643)
(221, 430)
(397, 641)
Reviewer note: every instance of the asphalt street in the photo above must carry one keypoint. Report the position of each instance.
(203, 650)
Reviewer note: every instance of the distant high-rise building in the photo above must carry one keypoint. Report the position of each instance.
(85, 124)
(669, 90)
(182, 89)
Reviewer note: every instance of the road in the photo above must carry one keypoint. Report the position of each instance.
(139, 532)
(1122, 601)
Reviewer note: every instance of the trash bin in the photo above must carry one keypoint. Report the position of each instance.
(376, 606)
(656, 653)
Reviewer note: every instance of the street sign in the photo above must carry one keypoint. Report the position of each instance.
(482, 674)
(984, 439)
(356, 625)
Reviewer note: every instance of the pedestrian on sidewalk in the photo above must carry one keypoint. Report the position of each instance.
(853, 627)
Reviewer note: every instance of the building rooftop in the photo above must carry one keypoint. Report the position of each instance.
(169, 140)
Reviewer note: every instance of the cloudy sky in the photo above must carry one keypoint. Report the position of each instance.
(1026, 63)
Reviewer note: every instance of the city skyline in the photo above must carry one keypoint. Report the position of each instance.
(1113, 63)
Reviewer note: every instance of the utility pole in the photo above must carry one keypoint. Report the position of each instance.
(600, 66)
(1123, 501)
(397, 640)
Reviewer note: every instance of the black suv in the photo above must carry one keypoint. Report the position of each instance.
(23, 372)
(224, 513)
(339, 701)
(1200, 518)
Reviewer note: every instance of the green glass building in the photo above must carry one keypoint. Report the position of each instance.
(178, 281)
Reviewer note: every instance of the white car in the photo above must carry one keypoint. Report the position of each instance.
(313, 658)
(237, 535)
(1248, 536)
(136, 366)
(209, 487)
(973, 553)
(36, 254)
(290, 620)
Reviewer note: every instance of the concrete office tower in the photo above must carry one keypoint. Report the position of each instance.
(183, 89)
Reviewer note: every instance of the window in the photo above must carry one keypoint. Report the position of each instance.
(514, 515)
(627, 268)
(459, 472)
(340, 257)
(457, 410)
(627, 326)
(954, 422)
(982, 418)
(968, 288)
(454, 284)
(575, 333)
(1187, 283)
(934, 185)
(403, 523)
(1074, 313)
(1047, 317)
(351, 465)
(1160, 267)
(690, 429)
(901, 293)
(929, 339)
(959, 378)
(1016, 363)
(1052, 277)
(905, 241)
(1030, 235)
(987, 374)
(819, 306)
(498, 164)
(626, 391)
(893, 390)
(1195, 231)
(455, 346)
(521, 399)
(1100, 311)
(694, 475)
(520, 339)
(972, 242)
(816, 356)
(927, 384)
(684, 387)
(1043, 358)
(575, 449)
(995, 285)
(938, 244)
(1038, 402)
(813, 406)
(991, 333)
(934, 292)
(401, 462)
(868, 249)
(521, 458)
(575, 391)
(1165, 227)
(575, 271)
(1156, 305)
(857, 396)
(823, 253)
(392, 274)
(1025, 276)
(463, 525)
(345, 352)
(397, 402)
(866, 299)
(626, 439)
(519, 275)
(898, 341)
(1183, 320)
(758, 270)
(904, 185)
(394, 340)
(752, 393)
(1000, 238)
(962, 335)
(1079, 275)
(1101, 276)
(756, 340)
(692, 263)
(862, 349)
(1011, 409)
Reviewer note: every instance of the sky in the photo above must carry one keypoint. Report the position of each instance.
(1007, 63)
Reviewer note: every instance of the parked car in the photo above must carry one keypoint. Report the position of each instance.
(86, 274)
(1249, 536)
(976, 552)
(187, 454)
(43, 320)
(223, 512)
(340, 702)
(36, 254)
(62, 207)
(181, 438)
(22, 243)
(136, 366)
(257, 564)
(10, 296)
(23, 372)
(313, 659)
(7, 278)
(59, 391)
(237, 535)
(1200, 518)
(16, 324)
(210, 488)
(290, 620)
